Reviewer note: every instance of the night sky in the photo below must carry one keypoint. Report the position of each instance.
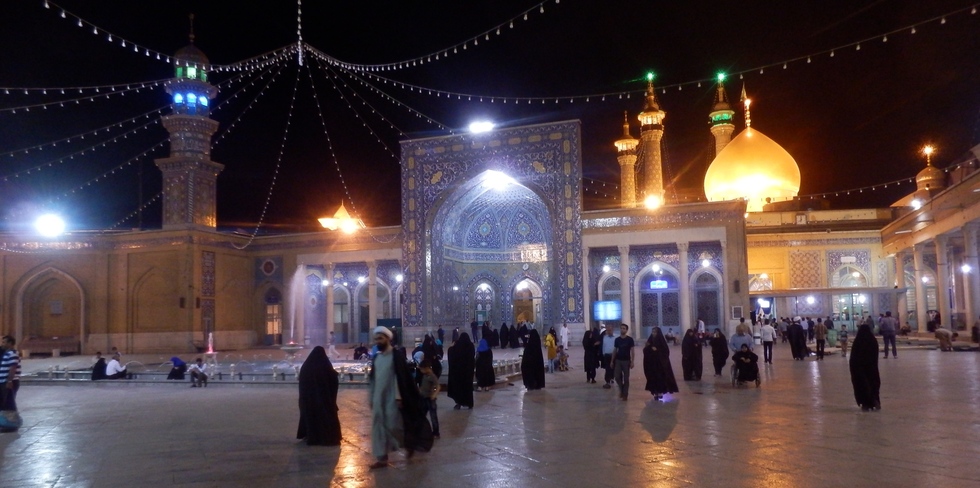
(851, 120)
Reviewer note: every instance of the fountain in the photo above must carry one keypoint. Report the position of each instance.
(294, 300)
(212, 356)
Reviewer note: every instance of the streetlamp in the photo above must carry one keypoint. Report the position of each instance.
(342, 221)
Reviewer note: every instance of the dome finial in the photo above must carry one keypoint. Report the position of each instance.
(651, 98)
(746, 101)
(626, 125)
(191, 36)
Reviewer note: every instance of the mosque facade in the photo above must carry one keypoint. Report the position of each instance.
(493, 229)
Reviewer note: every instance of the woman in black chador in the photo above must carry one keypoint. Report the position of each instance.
(656, 366)
(532, 363)
(691, 358)
(318, 383)
(504, 336)
(864, 369)
(719, 351)
(591, 360)
(485, 378)
(462, 362)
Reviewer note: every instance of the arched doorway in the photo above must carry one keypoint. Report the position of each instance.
(527, 303)
(382, 305)
(50, 304)
(341, 315)
(659, 299)
(487, 228)
(483, 301)
(707, 299)
(849, 308)
(272, 302)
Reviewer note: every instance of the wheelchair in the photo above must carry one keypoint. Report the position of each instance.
(736, 383)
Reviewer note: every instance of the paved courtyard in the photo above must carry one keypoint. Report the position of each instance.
(801, 429)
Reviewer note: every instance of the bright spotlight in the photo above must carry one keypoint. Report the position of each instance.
(764, 276)
(481, 126)
(705, 263)
(916, 204)
(522, 285)
(652, 202)
(763, 303)
(484, 286)
(862, 299)
(326, 283)
(856, 274)
(606, 268)
(925, 279)
(50, 225)
(498, 180)
(656, 268)
(360, 279)
(455, 288)
(810, 300)
(399, 278)
(966, 268)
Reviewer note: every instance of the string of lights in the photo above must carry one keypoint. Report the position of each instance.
(444, 53)
(333, 156)
(251, 63)
(141, 208)
(111, 171)
(63, 90)
(275, 173)
(145, 153)
(71, 101)
(224, 133)
(81, 152)
(98, 145)
(910, 29)
(384, 95)
(81, 136)
(357, 115)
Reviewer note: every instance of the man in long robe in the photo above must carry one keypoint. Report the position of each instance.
(797, 339)
(397, 420)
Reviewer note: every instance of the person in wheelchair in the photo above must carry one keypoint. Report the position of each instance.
(746, 366)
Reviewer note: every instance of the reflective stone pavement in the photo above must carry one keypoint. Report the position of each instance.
(800, 429)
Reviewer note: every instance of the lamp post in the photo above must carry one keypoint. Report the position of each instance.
(342, 221)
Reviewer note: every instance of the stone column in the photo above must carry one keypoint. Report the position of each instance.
(971, 291)
(921, 317)
(684, 285)
(625, 299)
(587, 288)
(942, 275)
(725, 288)
(328, 279)
(372, 295)
(901, 306)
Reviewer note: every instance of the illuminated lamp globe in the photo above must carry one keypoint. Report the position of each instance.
(342, 221)
(752, 167)
(652, 202)
(49, 225)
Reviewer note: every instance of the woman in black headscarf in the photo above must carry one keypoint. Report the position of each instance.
(515, 337)
(98, 369)
(532, 363)
(691, 358)
(864, 369)
(656, 366)
(719, 351)
(504, 336)
(461, 365)
(591, 360)
(318, 383)
(485, 378)
(431, 351)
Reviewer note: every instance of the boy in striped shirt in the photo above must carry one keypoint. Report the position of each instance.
(9, 373)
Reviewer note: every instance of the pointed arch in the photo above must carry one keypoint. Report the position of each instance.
(38, 275)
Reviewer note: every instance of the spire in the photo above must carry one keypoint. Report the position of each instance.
(746, 101)
(721, 98)
(626, 125)
(651, 99)
(192, 28)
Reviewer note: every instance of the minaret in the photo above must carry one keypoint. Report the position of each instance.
(189, 175)
(627, 165)
(721, 117)
(651, 132)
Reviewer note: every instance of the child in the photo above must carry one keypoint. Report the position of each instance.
(430, 392)
(562, 359)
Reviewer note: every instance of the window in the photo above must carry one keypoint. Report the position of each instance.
(203, 101)
(192, 72)
(273, 319)
(178, 98)
(180, 72)
(191, 98)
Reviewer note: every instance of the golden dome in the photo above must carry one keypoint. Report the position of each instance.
(930, 178)
(752, 167)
